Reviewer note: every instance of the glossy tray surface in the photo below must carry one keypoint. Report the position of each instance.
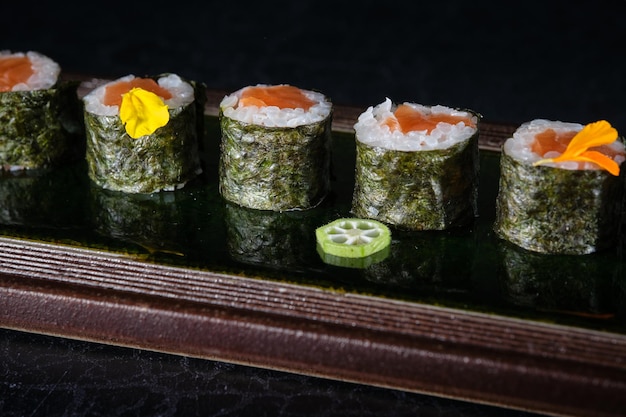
(466, 268)
(454, 313)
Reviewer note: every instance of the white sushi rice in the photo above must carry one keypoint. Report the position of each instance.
(182, 94)
(273, 116)
(519, 147)
(371, 129)
(46, 71)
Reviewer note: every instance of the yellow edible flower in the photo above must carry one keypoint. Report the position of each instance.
(594, 134)
(142, 112)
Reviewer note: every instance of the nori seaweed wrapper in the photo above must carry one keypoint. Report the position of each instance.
(417, 190)
(40, 128)
(558, 211)
(163, 161)
(275, 168)
(268, 238)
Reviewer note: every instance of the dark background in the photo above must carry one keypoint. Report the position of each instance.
(510, 61)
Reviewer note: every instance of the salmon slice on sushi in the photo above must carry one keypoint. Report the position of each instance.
(40, 119)
(143, 133)
(560, 189)
(275, 149)
(416, 165)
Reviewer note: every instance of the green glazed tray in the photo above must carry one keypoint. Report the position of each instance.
(454, 313)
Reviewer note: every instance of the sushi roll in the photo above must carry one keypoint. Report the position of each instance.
(275, 149)
(416, 165)
(40, 119)
(560, 188)
(143, 133)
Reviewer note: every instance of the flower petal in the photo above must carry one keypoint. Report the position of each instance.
(601, 160)
(142, 112)
(593, 134)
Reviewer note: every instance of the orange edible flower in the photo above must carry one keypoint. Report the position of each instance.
(594, 134)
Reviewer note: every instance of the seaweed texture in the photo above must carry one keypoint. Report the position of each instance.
(558, 211)
(40, 128)
(274, 168)
(420, 190)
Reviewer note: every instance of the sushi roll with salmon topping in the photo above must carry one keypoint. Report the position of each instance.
(416, 165)
(143, 133)
(275, 149)
(40, 116)
(560, 188)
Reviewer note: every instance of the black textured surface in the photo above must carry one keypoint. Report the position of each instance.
(49, 376)
(510, 62)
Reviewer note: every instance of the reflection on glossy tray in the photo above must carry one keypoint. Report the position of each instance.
(194, 227)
